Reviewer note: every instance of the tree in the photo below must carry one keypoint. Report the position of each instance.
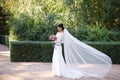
(4, 29)
(104, 13)
(37, 19)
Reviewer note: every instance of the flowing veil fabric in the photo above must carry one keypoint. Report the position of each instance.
(86, 60)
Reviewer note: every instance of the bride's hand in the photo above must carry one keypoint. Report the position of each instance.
(53, 42)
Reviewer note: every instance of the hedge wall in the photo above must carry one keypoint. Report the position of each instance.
(4, 39)
(35, 51)
(27, 51)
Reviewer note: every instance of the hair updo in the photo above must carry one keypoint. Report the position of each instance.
(61, 26)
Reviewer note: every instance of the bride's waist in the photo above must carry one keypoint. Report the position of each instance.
(57, 44)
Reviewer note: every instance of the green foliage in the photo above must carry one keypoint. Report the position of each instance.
(46, 51)
(95, 20)
(112, 16)
(32, 22)
(30, 51)
(96, 33)
(102, 13)
(4, 40)
(33, 51)
(4, 29)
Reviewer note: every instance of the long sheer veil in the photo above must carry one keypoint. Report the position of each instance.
(84, 58)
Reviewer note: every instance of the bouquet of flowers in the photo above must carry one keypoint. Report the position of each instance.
(52, 37)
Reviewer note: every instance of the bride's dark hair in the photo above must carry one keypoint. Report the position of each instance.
(61, 26)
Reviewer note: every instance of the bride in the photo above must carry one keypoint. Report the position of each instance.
(80, 59)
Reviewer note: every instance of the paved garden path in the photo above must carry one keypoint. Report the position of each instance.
(37, 70)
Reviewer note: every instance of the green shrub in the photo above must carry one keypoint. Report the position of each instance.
(36, 51)
(46, 51)
(30, 51)
(4, 40)
(97, 33)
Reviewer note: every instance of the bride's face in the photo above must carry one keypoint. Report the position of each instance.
(60, 29)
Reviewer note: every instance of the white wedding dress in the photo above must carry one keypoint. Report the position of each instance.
(81, 60)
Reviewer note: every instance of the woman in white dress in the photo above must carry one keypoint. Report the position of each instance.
(81, 60)
(57, 59)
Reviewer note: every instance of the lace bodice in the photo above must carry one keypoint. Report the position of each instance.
(60, 37)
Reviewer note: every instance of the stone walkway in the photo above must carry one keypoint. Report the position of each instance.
(37, 70)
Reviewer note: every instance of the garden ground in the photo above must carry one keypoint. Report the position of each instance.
(37, 70)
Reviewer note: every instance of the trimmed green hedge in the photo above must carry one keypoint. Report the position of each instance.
(36, 51)
(27, 51)
(4, 39)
